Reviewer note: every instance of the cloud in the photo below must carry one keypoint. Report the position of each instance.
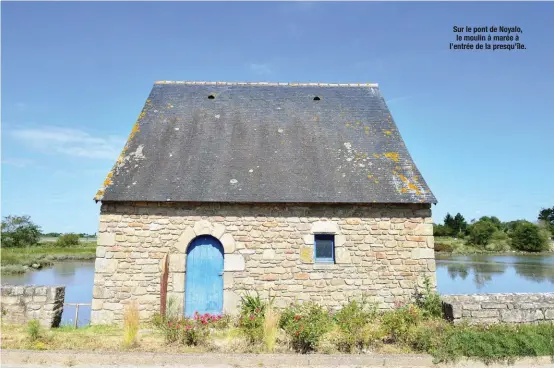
(18, 162)
(71, 142)
(261, 69)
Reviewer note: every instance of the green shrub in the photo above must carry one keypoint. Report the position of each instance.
(443, 247)
(499, 242)
(351, 321)
(68, 240)
(189, 331)
(19, 231)
(305, 324)
(529, 237)
(34, 330)
(251, 320)
(428, 301)
(495, 343)
(480, 233)
(397, 324)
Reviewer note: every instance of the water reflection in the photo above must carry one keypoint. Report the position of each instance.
(488, 274)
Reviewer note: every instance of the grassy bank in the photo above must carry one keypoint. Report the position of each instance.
(445, 342)
(447, 244)
(20, 260)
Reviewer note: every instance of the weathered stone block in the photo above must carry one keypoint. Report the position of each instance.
(268, 254)
(324, 227)
(342, 256)
(103, 265)
(177, 262)
(228, 243)
(307, 254)
(234, 262)
(184, 240)
(422, 253)
(106, 239)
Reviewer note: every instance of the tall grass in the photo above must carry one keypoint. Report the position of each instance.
(271, 326)
(131, 321)
(34, 330)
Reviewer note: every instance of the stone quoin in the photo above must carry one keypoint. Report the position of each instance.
(298, 191)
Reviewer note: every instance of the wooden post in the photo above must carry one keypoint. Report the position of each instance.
(163, 285)
(76, 314)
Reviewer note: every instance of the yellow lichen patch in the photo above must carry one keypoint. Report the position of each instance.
(387, 132)
(169, 105)
(414, 188)
(108, 180)
(403, 178)
(392, 155)
(404, 190)
(99, 194)
(369, 176)
(376, 155)
(376, 181)
(358, 123)
(416, 178)
(347, 124)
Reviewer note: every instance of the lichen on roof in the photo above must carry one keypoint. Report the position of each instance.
(187, 146)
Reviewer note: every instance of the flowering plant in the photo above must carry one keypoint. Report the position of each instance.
(191, 331)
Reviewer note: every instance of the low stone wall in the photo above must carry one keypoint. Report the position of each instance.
(21, 304)
(496, 308)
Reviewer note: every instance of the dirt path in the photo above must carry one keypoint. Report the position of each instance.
(26, 358)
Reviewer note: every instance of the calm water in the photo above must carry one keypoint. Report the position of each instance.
(455, 275)
(495, 274)
(76, 276)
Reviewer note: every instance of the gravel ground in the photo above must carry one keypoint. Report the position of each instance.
(27, 359)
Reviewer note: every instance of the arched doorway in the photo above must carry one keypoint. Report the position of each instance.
(204, 276)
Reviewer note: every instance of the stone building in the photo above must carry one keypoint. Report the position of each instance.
(298, 191)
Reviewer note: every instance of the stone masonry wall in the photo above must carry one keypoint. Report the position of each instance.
(21, 304)
(381, 250)
(495, 308)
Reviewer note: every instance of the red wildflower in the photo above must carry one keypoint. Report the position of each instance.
(251, 317)
(297, 317)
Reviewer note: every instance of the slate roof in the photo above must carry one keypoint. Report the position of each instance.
(265, 142)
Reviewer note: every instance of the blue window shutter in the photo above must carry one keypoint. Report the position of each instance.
(324, 248)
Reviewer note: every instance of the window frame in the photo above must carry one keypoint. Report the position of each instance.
(324, 236)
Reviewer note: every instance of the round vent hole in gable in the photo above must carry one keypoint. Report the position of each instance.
(211, 97)
(316, 98)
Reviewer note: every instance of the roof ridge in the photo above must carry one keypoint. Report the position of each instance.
(292, 84)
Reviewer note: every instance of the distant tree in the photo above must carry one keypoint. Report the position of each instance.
(529, 237)
(494, 220)
(52, 235)
(19, 231)
(480, 233)
(449, 221)
(460, 224)
(441, 230)
(546, 216)
(68, 240)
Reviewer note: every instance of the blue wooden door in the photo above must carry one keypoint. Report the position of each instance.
(204, 276)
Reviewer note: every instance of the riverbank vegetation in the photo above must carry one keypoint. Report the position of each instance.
(359, 327)
(23, 247)
(489, 234)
